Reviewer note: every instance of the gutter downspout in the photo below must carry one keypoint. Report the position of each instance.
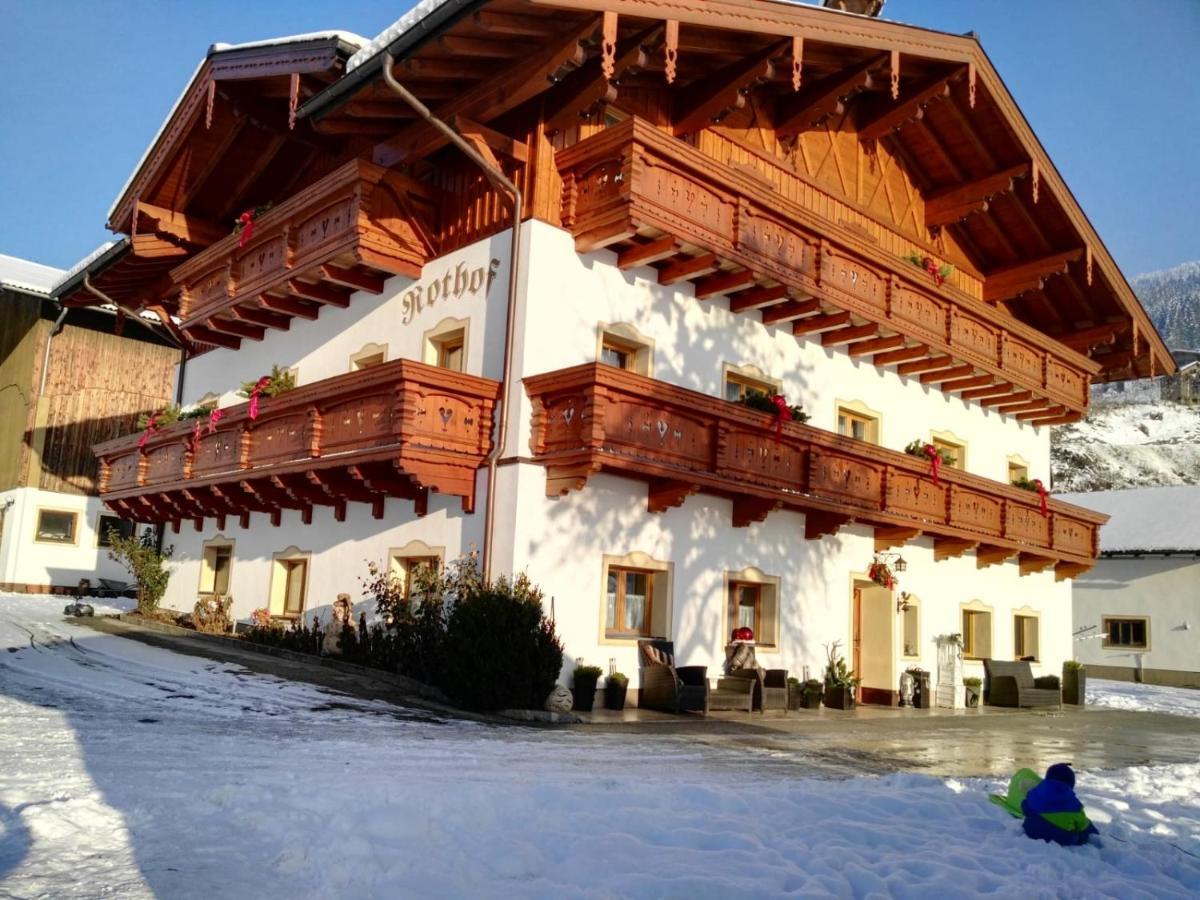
(41, 413)
(57, 327)
(501, 182)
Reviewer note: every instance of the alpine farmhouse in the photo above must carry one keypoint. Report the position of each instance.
(713, 200)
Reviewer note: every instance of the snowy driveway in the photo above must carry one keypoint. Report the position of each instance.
(130, 771)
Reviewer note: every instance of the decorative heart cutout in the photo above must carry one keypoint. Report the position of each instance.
(446, 413)
(568, 414)
(662, 428)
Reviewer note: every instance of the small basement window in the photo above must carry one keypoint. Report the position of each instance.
(123, 527)
(1129, 634)
(56, 526)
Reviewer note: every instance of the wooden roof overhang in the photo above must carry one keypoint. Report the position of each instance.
(401, 429)
(595, 418)
(997, 207)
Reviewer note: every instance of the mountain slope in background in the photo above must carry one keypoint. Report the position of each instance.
(1172, 298)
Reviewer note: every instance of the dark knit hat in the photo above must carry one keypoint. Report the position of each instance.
(1061, 772)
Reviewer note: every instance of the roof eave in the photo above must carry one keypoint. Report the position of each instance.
(105, 260)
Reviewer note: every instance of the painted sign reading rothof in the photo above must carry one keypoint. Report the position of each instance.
(457, 282)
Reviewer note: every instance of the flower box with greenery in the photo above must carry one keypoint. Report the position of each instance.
(583, 687)
(1074, 682)
(974, 691)
(771, 404)
(926, 450)
(840, 681)
(1035, 486)
(938, 271)
(616, 687)
(881, 574)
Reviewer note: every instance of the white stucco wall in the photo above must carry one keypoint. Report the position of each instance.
(1166, 590)
(24, 560)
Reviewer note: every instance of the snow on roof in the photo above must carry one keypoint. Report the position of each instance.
(1145, 519)
(72, 272)
(27, 277)
(348, 36)
(392, 32)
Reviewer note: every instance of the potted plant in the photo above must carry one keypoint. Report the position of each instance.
(974, 691)
(812, 691)
(840, 681)
(615, 688)
(795, 693)
(1074, 682)
(584, 687)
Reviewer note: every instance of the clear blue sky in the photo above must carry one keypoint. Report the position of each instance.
(1108, 85)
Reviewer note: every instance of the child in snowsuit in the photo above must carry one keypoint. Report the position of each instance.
(1053, 812)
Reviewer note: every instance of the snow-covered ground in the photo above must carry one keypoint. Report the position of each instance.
(1145, 697)
(129, 771)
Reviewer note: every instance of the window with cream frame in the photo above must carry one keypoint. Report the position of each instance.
(216, 566)
(976, 631)
(1026, 634)
(406, 561)
(289, 582)
(856, 420)
(57, 526)
(747, 379)
(951, 445)
(752, 601)
(910, 627)
(369, 356)
(445, 344)
(1018, 469)
(624, 347)
(635, 598)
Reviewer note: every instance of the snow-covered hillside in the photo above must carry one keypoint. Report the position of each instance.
(1172, 298)
(1130, 445)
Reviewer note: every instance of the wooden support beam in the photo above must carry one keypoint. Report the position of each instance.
(826, 97)
(717, 94)
(847, 335)
(790, 311)
(353, 279)
(890, 536)
(1009, 282)
(290, 306)
(510, 25)
(908, 110)
(664, 494)
(1032, 562)
(956, 203)
(1009, 398)
(1051, 412)
(1085, 340)
(974, 381)
(818, 324)
(204, 335)
(237, 328)
(991, 390)
(1040, 405)
(748, 510)
(757, 298)
(818, 524)
(688, 268)
(876, 345)
(948, 548)
(169, 223)
(501, 143)
(318, 292)
(956, 372)
(1064, 570)
(586, 89)
(258, 316)
(925, 365)
(649, 252)
(723, 283)
(902, 355)
(557, 56)
(991, 555)
(1064, 419)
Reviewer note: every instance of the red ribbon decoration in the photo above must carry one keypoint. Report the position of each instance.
(783, 413)
(262, 385)
(1042, 493)
(151, 428)
(935, 462)
(246, 220)
(213, 418)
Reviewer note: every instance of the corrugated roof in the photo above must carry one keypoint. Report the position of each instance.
(27, 277)
(1146, 519)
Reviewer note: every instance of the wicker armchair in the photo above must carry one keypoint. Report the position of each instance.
(1013, 684)
(667, 687)
(770, 687)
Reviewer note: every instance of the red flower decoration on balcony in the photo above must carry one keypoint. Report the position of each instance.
(213, 418)
(151, 428)
(935, 462)
(246, 221)
(262, 384)
(783, 413)
(1042, 494)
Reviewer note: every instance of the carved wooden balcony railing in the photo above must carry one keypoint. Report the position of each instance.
(346, 232)
(594, 418)
(656, 200)
(400, 429)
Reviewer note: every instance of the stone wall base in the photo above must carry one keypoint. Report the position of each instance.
(12, 587)
(1165, 677)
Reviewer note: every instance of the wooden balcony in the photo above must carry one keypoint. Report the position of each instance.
(401, 429)
(657, 200)
(347, 232)
(595, 418)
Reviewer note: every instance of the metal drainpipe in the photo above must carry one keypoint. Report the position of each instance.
(501, 181)
(58, 324)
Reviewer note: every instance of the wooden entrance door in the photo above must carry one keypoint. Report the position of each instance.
(856, 642)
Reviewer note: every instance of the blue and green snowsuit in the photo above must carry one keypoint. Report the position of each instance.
(1053, 812)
